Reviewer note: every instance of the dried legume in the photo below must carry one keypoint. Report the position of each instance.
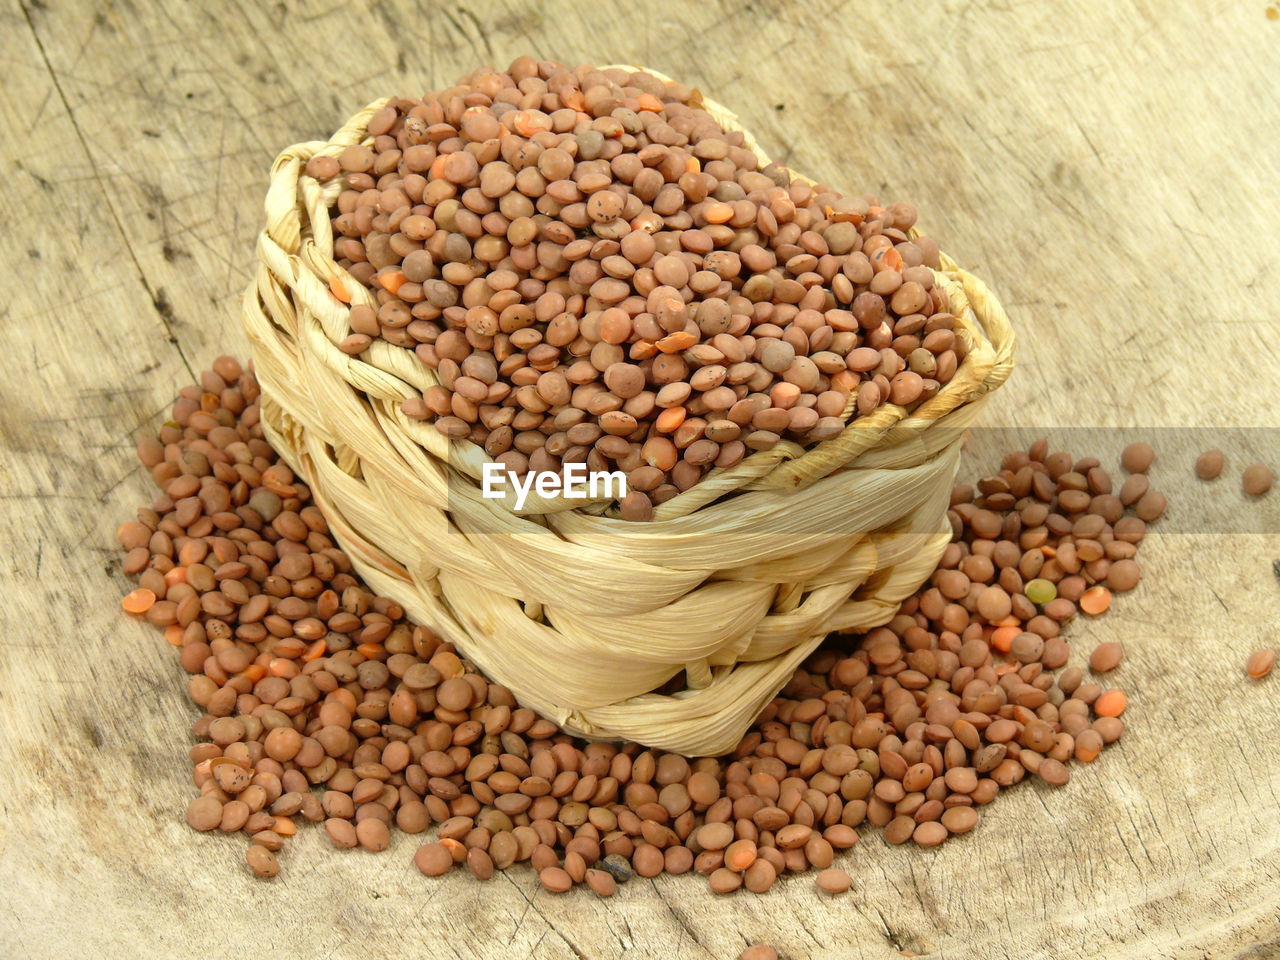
(1106, 657)
(836, 881)
(1257, 479)
(1209, 464)
(262, 861)
(1260, 663)
(1137, 457)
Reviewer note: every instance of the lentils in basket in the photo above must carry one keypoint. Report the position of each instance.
(599, 273)
(321, 702)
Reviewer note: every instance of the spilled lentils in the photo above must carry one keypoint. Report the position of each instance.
(319, 701)
(598, 273)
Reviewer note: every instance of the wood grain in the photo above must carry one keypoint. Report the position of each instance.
(1110, 168)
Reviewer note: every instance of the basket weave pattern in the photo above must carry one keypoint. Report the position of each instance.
(581, 614)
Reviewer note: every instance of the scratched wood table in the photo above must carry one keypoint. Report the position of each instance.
(1110, 168)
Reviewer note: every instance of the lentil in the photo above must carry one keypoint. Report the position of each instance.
(1095, 600)
(433, 859)
(834, 881)
(555, 880)
(1260, 663)
(602, 883)
(1105, 657)
(1209, 464)
(262, 861)
(1111, 703)
(1137, 457)
(1040, 591)
(1257, 479)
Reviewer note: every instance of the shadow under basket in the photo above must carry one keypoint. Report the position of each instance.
(583, 615)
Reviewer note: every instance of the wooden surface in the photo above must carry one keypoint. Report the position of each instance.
(1111, 169)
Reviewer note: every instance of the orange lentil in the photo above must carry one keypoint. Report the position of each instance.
(315, 651)
(740, 855)
(392, 280)
(643, 350)
(339, 289)
(669, 419)
(1002, 638)
(676, 342)
(173, 634)
(839, 216)
(370, 651)
(718, 213)
(255, 672)
(456, 849)
(138, 601)
(1111, 704)
(527, 124)
(648, 102)
(1260, 663)
(1095, 600)
(285, 827)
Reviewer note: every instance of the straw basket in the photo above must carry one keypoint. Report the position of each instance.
(581, 614)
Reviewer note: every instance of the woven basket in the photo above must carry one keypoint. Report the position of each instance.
(581, 614)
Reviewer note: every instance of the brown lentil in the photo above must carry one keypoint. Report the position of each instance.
(834, 881)
(725, 880)
(1137, 457)
(433, 859)
(959, 819)
(1209, 464)
(262, 861)
(555, 880)
(1257, 479)
(759, 877)
(204, 813)
(602, 883)
(1105, 657)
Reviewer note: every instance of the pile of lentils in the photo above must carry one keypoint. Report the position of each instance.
(321, 702)
(599, 273)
